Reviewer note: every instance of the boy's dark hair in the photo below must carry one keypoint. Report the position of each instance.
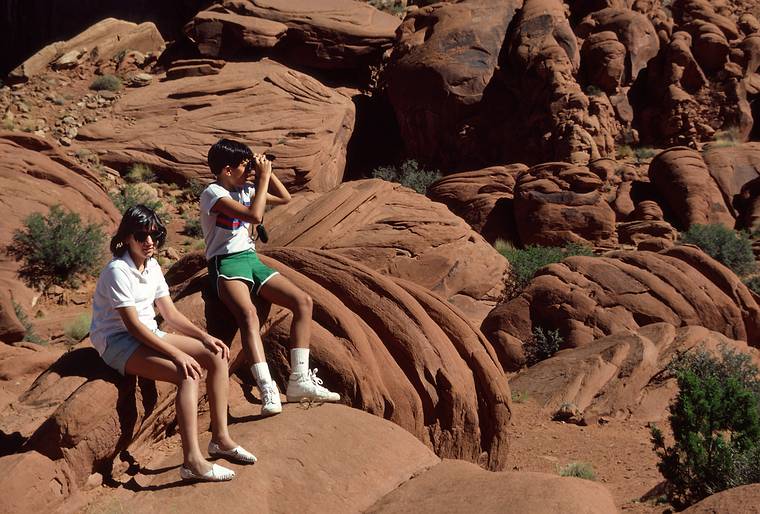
(227, 152)
(136, 219)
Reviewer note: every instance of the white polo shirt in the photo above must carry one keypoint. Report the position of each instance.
(121, 285)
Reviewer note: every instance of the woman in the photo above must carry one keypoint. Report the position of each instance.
(125, 333)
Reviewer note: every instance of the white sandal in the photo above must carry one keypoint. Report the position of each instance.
(237, 454)
(217, 473)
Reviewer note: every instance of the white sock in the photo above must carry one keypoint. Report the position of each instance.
(299, 360)
(260, 372)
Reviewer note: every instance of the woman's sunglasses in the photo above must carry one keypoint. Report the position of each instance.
(142, 235)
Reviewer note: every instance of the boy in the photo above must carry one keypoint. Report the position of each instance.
(229, 207)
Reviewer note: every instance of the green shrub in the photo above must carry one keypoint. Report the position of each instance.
(582, 470)
(527, 261)
(732, 248)
(624, 152)
(716, 426)
(56, 249)
(106, 82)
(29, 334)
(754, 284)
(131, 195)
(592, 90)
(643, 153)
(410, 174)
(520, 396)
(79, 328)
(193, 228)
(542, 344)
(140, 173)
(727, 137)
(195, 188)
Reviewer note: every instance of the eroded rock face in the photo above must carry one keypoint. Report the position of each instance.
(590, 297)
(621, 375)
(11, 329)
(732, 167)
(398, 232)
(687, 184)
(34, 176)
(337, 34)
(290, 115)
(483, 198)
(391, 348)
(443, 60)
(100, 42)
(559, 203)
(739, 499)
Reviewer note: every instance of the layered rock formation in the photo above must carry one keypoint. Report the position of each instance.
(339, 34)
(389, 347)
(398, 232)
(170, 126)
(623, 375)
(589, 297)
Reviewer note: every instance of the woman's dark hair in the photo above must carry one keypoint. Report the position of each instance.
(227, 152)
(137, 219)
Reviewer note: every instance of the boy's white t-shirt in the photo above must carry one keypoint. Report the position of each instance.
(224, 234)
(121, 285)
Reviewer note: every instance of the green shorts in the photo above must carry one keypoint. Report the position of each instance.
(244, 266)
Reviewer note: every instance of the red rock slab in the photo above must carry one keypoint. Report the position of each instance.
(623, 375)
(389, 347)
(326, 458)
(586, 298)
(103, 40)
(483, 198)
(334, 34)
(455, 486)
(442, 61)
(397, 232)
(32, 483)
(171, 125)
(744, 499)
(681, 176)
(35, 176)
(731, 167)
(11, 329)
(19, 366)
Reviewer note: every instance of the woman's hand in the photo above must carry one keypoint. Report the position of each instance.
(187, 366)
(216, 346)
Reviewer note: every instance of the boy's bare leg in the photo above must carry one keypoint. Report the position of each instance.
(281, 291)
(237, 297)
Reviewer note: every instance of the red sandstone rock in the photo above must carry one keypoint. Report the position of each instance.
(559, 203)
(483, 198)
(589, 297)
(603, 61)
(745, 499)
(398, 232)
(288, 114)
(623, 375)
(11, 329)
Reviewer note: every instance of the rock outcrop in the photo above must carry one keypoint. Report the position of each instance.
(336, 34)
(171, 125)
(389, 347)
(623, 375)
(586, 298)
(398, 232)
(483, 198)
(745, 498)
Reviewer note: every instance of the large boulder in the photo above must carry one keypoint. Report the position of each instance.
(11, 329)
(442, 61)
(623, 375)
(100, 42)
(171, 125)
(483, 198)
(333, 34)
(586, 298)
(732, 167)
(745, 499)
(398, 232)
(558, 203)
(455, 486)
(688, 186)
(34, 176)
(388, 346)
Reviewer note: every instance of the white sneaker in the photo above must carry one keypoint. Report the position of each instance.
(307, 386)
(270, 400)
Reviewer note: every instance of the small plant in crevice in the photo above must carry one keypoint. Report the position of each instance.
(79, 328)
(409, 173)
(193, 227)
(542, 344)
(140, 173)
(29, 334)
(106, 83)
(132, 195)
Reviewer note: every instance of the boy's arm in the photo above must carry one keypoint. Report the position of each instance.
(279, 195)
(253, 213)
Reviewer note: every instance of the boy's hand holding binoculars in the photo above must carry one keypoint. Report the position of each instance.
(262, 166)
